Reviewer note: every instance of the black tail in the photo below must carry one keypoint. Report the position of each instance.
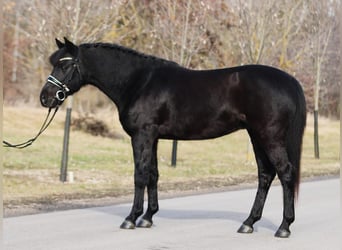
(295, 135)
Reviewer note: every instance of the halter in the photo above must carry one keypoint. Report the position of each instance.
(62, 92)
(60, 96)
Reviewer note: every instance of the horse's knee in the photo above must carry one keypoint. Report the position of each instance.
(153, 177)
(141, 177)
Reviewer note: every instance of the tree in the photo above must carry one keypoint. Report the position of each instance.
(255, 29)
(323, 24)
(271, 32)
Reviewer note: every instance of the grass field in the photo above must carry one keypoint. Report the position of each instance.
(104, 167)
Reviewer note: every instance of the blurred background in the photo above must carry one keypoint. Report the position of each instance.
(298, 36)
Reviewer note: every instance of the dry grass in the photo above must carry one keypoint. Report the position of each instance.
(104, 167)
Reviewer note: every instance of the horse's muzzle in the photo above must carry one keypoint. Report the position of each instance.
(51, 101)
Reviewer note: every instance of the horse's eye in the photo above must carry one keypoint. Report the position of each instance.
(64, 67)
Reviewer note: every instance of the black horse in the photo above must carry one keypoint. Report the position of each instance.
(159, 99)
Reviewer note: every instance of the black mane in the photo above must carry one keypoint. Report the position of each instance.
(128, 51)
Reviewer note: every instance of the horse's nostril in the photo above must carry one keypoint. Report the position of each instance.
(43, 99)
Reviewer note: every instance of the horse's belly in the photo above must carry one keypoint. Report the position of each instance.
(198, 130)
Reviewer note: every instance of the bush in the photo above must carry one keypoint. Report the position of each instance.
(91, 125)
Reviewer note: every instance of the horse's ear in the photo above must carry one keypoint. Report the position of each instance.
(59, 43)
(71, 48)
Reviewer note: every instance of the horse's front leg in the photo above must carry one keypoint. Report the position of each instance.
(143, 157)
(152, 191)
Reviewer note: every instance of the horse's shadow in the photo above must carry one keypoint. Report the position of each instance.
(176, 214)
(211, 214)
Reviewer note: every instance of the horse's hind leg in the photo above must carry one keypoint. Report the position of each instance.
(266, 174)
(287, 175)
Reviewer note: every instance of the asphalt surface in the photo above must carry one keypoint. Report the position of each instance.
(207, 221)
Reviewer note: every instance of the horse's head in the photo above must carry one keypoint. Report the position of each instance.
(65, 78)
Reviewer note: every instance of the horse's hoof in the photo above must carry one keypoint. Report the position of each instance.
(144, 223)
(282, 233)
(244, 229)
(127, 225)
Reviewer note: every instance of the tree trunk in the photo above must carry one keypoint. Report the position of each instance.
(15, 50)
(316, 96)
(316, 142)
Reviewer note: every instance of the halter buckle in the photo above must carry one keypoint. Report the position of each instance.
(60, 95)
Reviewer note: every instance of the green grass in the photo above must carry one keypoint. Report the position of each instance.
(104, 167)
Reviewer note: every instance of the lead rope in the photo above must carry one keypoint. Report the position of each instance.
(29, 142)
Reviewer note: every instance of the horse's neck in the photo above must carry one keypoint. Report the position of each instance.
(111, 72)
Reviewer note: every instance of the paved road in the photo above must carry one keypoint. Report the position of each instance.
(206, 221)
